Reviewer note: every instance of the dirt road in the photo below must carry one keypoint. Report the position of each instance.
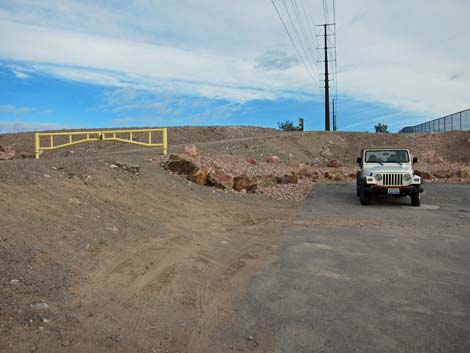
(382, 278)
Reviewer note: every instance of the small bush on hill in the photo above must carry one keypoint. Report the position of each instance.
(381, 128)
(287, 126)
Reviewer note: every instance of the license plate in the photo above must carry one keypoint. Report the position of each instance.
(393, 191)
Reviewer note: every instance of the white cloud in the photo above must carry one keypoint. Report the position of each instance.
(121, 63)
(17, 126)
(20, 75)
(411, 56)
(155, 108)
(13, 109)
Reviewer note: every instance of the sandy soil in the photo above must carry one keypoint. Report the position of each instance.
(125, 263)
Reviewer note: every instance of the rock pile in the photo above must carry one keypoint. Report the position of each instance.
(244, 182)
(271, 177)
(277, 179)
(454, 173)
(207, 176)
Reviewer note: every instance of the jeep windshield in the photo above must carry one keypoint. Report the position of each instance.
(387, 156)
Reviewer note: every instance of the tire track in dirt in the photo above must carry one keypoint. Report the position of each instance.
(137, 279)
(135, 318)
(226, 273)
(203, 289)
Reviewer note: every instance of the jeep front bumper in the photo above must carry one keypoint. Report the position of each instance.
(404, 190)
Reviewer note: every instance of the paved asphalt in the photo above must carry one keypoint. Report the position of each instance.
(381, 278)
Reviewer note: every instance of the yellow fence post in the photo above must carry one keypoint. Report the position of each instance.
(165, 141)
(36, 146)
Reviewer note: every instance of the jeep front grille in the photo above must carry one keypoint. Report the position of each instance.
(393, 179)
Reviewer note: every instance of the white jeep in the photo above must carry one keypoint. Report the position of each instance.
(387, 171)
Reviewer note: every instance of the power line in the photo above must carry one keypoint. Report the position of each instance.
(325, 11)
(304, 39)
(293, 43)
(298, 36)
(310, 25)
(304, 32)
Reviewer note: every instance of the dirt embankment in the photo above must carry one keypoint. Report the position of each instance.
(126, 259)
(23, 142)
(258, 143)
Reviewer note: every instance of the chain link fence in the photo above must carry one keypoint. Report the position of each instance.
(453, 122)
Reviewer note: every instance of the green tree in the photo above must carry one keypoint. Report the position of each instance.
(381, 128)
(287, 126)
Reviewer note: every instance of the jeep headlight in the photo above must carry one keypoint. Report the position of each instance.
(407, 177)
(378, 177)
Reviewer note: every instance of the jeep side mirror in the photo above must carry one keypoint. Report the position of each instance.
(415, 160)
(359, 160)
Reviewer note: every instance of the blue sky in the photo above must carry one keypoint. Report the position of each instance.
(74, 64)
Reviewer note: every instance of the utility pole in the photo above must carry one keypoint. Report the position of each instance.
(327, 82)
(326, 61)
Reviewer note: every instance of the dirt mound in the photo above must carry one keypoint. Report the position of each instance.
(299, 147)
(115, 254)
(259, 143)
(24, 142)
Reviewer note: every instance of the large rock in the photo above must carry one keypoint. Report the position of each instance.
(335, 175)
(7, 152)
(266, 181)
(309, 173)
(288, 179)
(200, 176)
(244, 182)
(220, 180)
(179, 165)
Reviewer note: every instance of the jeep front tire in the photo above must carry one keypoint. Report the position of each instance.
(358, 183)
(364, 196)
(416, 199)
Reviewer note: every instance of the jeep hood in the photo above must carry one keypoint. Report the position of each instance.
(392, 168)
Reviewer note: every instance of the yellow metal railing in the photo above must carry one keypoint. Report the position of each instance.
(141, 137)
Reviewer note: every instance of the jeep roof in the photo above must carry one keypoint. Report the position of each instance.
(385, 148)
